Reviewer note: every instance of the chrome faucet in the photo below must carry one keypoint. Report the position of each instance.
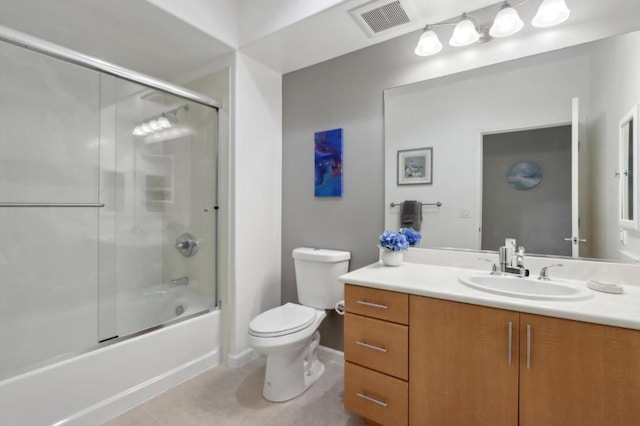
(513, 265)
(544, 275)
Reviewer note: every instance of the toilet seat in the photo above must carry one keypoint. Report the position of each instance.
(286, 319)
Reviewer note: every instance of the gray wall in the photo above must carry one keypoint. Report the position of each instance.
(538, 218)
(345, 92)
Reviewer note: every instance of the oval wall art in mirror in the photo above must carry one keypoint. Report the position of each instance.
(524, 175)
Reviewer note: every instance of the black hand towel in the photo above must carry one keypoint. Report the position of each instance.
(411, 216)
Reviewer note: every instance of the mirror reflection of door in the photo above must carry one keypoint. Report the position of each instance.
(627, 191)
(539, 217)
(627, 179)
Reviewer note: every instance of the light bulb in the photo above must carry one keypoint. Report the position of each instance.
(164, 122)
(428, 43)
(507, 22)
(154, 125)
(146, 129)
(137, 131)
(464, 33)
(550, 13)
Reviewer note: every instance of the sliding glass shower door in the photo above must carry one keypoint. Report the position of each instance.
(107, 208)
(49, 163)
(159, 193)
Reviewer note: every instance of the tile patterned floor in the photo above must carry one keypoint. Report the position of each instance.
(228, 397)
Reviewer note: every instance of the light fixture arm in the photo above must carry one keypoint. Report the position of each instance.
(466, 16)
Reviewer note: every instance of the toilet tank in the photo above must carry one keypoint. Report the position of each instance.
(317, 272)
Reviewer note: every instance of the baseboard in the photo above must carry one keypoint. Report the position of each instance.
(329, 354)
(242, 358)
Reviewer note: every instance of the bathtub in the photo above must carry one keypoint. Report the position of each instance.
(97, 385)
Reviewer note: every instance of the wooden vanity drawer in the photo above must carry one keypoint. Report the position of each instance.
(381, 304)
(375, 396)
(376, 344)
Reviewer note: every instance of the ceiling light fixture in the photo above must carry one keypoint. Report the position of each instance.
(164, 121)
(465, 32)
(550, 13)
(506, 23)
(428, 43)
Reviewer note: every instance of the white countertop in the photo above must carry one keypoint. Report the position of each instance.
(442, 282)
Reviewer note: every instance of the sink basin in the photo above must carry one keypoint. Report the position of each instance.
(527, 288)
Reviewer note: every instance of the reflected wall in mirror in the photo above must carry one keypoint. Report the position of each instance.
(585, 89)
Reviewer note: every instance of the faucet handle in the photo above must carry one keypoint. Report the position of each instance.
(544, 275)
(494, 267)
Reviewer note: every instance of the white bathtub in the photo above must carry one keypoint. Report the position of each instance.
(97, 385)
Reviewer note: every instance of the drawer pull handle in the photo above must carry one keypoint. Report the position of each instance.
(375, 401)
(371, 305)
(366, 345)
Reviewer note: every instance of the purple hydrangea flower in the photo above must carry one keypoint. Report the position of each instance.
(413, 236)
(392, 240)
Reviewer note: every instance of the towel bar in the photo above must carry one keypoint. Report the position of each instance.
(51, 205)
(437, 204)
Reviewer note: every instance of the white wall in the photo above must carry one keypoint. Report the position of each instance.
(452, 113)
(217, 86)
(256, 182)
(615, 87)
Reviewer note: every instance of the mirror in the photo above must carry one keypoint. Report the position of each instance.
(627, 172)
(585, 89)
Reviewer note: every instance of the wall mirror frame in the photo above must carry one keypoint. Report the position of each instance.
(628, 171)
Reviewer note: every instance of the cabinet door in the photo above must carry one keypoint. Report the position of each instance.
(575, 373)
(462, 370)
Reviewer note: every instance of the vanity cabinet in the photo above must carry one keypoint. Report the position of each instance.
(486, 366)
(376, 351)
(463, 364)
(578, 373)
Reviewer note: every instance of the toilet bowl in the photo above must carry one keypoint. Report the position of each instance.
(288, 334)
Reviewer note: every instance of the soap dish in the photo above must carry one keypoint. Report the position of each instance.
(605, 287)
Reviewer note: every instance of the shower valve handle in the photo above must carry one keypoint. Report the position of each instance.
(187, 245)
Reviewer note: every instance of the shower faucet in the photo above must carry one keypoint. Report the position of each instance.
(187, 245)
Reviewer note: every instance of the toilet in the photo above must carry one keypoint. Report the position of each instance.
(288, 335)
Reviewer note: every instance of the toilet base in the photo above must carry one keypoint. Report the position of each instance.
(290, 374)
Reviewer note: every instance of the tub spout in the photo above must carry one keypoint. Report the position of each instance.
(180, 282)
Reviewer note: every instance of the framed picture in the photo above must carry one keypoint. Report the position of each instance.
(415, 166)
(328, 163)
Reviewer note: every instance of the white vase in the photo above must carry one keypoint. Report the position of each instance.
(391, 258)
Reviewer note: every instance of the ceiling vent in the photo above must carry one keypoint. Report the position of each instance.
(384, 16)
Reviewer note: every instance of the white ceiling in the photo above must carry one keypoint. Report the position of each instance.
(159, 38)
(333, 32)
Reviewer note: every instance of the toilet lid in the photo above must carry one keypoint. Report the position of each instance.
(285, 319)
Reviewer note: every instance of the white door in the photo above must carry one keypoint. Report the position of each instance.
(578, 209)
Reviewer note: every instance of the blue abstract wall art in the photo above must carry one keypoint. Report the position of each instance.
(328, 163)
(524, 175)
